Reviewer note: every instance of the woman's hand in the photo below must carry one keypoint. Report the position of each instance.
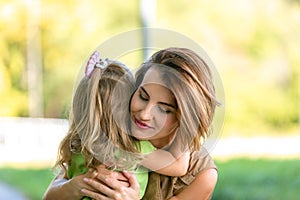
(110, 185)
(62, 188)
(77, 182)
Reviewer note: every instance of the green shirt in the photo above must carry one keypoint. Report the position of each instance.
(77, 167)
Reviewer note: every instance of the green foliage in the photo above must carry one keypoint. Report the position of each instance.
(70, 30)
(257, 179)
(32, 182)
(238, 179)
(254, 45)
(13, 101)
(256, 55)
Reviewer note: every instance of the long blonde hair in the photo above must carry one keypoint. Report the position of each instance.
(99, 119)
(189, 78)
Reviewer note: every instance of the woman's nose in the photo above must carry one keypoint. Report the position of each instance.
(146, 113)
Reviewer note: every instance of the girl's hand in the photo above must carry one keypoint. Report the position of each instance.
(108, 187)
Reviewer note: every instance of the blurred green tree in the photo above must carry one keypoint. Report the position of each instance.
(254, 45)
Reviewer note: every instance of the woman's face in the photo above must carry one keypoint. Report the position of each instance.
(153, 111)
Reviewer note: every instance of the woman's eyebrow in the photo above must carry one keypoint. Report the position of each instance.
(163, 103)
(167, 104)
(142, 88)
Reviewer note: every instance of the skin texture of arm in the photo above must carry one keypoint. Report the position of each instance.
(113, 189)
(173, 162)
(64, 189)
(109, 183)
(71, 189)
(201, 188)
(163, 162)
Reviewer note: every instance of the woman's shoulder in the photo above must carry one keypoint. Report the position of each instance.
(200, 161)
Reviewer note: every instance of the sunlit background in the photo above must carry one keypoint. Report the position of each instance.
(254, 45)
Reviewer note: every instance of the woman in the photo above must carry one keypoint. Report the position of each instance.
(174, 102)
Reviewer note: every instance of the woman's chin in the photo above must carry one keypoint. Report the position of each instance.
(140, 137)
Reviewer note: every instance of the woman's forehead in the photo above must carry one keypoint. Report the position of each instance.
(153, 81)
(153, 75)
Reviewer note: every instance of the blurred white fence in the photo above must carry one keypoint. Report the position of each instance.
(36, 140)
(276, 147)
(30, 140)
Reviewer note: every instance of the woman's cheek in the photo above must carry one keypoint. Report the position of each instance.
(133, 103)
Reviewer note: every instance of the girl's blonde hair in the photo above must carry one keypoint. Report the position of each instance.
(99, 119)
(189, 78)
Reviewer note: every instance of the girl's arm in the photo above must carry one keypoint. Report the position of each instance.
(174, 162)
(163, 162)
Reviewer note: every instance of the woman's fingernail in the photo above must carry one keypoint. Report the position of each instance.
(85, 179)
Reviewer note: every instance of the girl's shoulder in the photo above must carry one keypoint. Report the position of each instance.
(146, 146)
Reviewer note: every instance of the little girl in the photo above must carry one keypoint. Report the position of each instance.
(99, 127)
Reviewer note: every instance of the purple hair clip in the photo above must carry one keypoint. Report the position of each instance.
(93, 62)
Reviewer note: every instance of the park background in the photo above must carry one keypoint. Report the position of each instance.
(254, 45)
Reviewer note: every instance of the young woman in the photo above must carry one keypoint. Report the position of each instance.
(174, 103)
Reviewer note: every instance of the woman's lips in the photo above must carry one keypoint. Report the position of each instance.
(141, 125)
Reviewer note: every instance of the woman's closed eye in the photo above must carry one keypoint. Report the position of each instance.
(164, 110)
(143, 96)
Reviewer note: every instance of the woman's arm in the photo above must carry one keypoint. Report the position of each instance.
(201, 188)
(64, 189)
(94, 184)
(109, 188)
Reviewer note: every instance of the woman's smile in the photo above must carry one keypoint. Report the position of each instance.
(142, 125)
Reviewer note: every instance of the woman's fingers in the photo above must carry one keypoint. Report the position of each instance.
(116, 175)
(104, 192)
(133, 182)
(78, 183)
(112, 182)
(94, 195)
(99, 186)
(106, 187)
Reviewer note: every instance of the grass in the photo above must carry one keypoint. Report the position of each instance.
(244, 179)
(32, 182)
(239, 179)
